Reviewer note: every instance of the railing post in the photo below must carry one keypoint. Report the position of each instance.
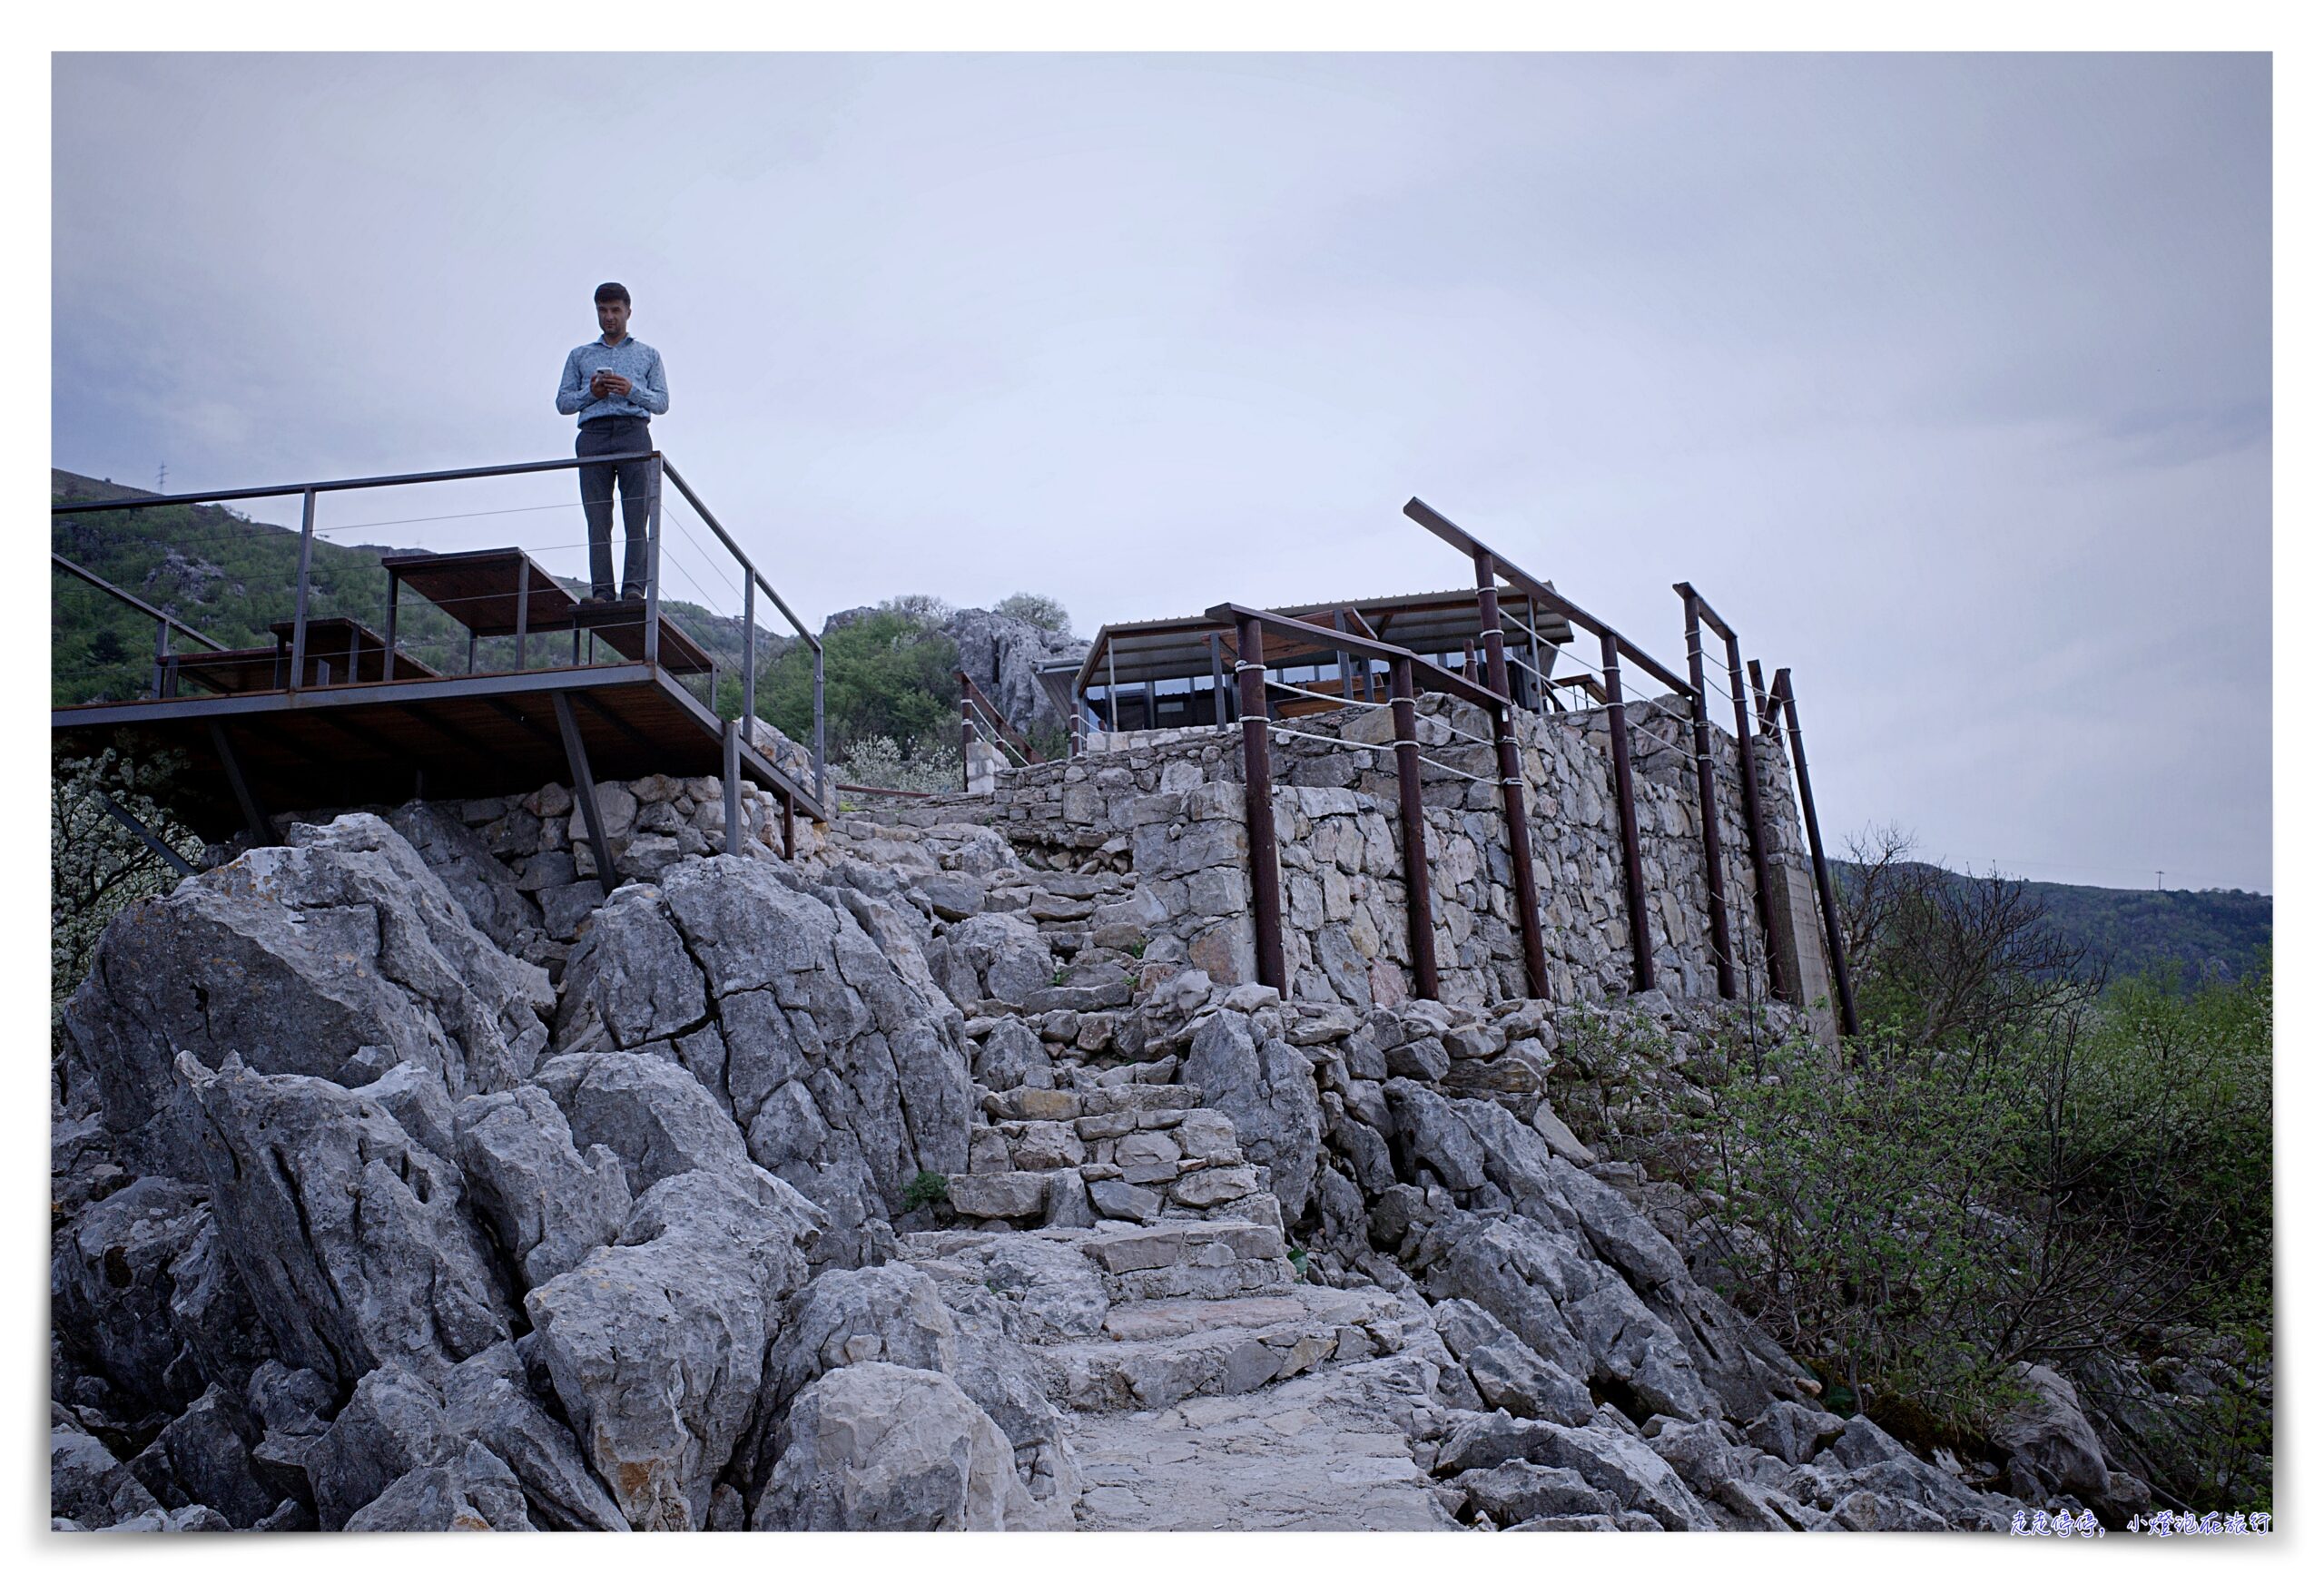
(1258, 804)
(731, 756)
(1832, 941)
(823, 797)
(1113, 695)
(1411, 821)
(1747, 762)
(1706, 786)
(750, 657)
(160, 655)
(968, 729)
(654, 564)
(1610, 654)
(298, 610)
(1218, 684)
(387, 660)
(1513, 780)
(524, 604)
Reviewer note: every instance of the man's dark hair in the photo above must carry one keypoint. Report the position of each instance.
(612, 291)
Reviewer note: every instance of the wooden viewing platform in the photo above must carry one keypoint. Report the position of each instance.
(332, 715)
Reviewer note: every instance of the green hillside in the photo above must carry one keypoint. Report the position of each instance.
(228, 576)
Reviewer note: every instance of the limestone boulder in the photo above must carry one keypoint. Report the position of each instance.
(351, 1239)
(1266, 1086)
(991, 956)
(2050, 1444)
(875, 1447)
(546, 1205)
(485, 888)
(337, 956)
(656, 1345)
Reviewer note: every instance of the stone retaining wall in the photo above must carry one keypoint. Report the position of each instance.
(1168, 808)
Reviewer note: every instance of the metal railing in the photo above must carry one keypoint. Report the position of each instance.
(307, 493)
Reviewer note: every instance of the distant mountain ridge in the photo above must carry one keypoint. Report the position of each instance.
(2189, 934)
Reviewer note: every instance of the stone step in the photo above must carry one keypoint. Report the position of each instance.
(1153, 1353)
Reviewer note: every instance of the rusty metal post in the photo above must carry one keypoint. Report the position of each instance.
(1609, 650)
(789, 804)
(1832, 941)
(1512, 780)
(1259, 805)
(1706, 786)
(1747, 762)
(1411, 819)
(1766, 705)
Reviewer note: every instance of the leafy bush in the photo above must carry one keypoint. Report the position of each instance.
(926, 1188)
(879, 760)
(2017, 1162)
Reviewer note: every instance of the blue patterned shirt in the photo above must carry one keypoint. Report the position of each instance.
(633, 360)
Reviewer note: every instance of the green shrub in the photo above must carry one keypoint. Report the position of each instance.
(926, 1188)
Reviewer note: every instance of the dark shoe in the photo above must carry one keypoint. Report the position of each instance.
(632, 595)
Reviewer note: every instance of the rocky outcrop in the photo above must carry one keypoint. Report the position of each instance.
(1004, 655)
(871, 1190)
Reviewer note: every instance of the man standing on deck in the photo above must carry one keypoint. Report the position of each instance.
(615, 383)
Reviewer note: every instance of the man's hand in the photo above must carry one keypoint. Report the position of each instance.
(598, 384)
(616, 385)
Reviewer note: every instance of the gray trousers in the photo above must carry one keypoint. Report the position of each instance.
(612, 437)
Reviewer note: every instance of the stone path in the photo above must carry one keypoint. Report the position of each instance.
(1322, 1451)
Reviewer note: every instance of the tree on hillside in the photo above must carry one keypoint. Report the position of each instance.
(888, 674)
(1038, 610)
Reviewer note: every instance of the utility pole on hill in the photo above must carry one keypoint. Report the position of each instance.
(161, 479)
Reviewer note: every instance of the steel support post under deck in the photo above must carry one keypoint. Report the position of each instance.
(585, 790)
(136, 827)
(1707, 789)
(1513, 782)
(1412, 823)
(1258, 806)
(1609, 653)
(262, 829)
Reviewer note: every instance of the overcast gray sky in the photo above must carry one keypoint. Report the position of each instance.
(1946, 379)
